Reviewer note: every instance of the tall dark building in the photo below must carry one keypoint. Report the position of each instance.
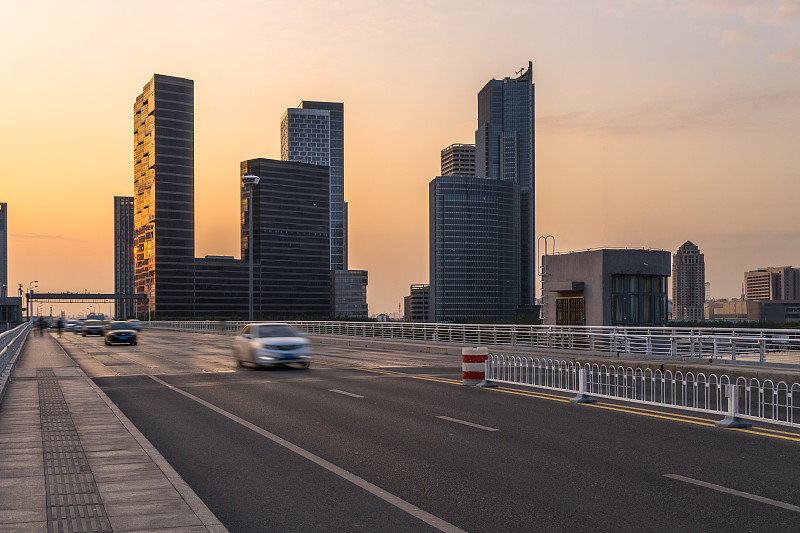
(504, 151)
(474, 252)
(163, 118)
(688, 283)
(314, 133)
(3, 250)
(123, 255)
(291, 238)
(482, 214)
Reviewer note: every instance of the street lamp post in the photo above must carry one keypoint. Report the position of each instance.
(30, 303)
(249, 181)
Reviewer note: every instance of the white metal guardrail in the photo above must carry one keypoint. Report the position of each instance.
(10, 343)
(740, 344)
(740, 399)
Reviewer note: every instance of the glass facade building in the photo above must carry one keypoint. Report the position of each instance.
(3, 250)
(474, 255)
(123, 256)
(314, 133)
(349, 293)
(221, 286)
(291, 238)
(504, 150)
(164, 197)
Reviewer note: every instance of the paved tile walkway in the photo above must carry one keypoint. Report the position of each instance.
(71, 461)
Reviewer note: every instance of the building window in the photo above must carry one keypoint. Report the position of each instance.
(638, 300)
(570, 311)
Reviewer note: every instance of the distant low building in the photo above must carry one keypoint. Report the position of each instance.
(728, 310)
(772, 283)
(776, 311)
(606, 287)
(417, 304)
(349, 293)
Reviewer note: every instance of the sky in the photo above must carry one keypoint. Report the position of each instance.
(657, 122)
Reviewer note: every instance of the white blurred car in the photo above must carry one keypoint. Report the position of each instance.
(271, 343)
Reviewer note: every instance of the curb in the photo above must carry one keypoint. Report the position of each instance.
(203, 513)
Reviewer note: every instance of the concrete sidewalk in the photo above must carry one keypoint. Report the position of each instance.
(71, 461)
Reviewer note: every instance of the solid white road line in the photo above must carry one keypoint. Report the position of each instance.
(457, 421)
(401, 504)
(337, 391)
(735, 492)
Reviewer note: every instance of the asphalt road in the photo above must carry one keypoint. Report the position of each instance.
(363, 443)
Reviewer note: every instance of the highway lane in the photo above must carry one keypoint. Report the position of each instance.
(479, 460)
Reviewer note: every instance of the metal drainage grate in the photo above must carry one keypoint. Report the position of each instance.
(73, 503)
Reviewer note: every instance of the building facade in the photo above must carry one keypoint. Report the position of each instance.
(314, 133)
(505, 151)
(417, 304)
(772, 283)
(123, 256)
(164, 197)
(458, 159)
(221, 288)
(3, 250)
(688, 283)
(291, 238)
(474, 252)
(608, 287)
(349, 293)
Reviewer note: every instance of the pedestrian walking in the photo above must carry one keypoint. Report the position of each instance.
(60, 325)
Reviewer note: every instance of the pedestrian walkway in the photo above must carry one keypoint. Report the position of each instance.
(71, 461)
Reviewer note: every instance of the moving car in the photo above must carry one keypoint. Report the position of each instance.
(135, 324)
(78, 328)
(120, 332)
(92, 327)
(271, 343)
(70, 326)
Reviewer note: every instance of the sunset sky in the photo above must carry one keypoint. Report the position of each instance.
(657, 122)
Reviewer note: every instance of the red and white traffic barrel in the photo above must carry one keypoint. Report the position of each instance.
(473, 365)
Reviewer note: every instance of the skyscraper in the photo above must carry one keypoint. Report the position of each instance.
(291, 238)
(314, 133)
(164, 196)
(474, 252)
(123, 255)
(3, 250)
(504, 150)
(688, 283)
(481, 212)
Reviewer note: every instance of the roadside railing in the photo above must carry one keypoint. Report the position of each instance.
(10, 344)
(743, 398)
(742, 344)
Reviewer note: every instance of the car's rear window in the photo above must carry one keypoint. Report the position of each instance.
(93, 323)
(276, 331)
(121, 325)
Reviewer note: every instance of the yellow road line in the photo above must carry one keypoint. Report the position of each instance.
(652, 413)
